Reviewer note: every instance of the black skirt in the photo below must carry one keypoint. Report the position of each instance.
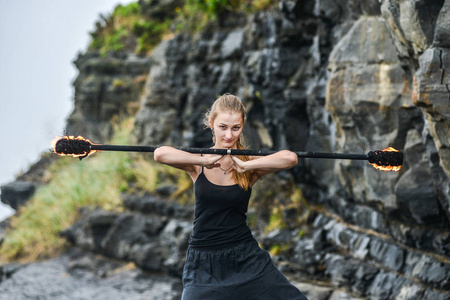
(244, 271)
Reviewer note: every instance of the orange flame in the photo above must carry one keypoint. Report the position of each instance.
(388, 168)
(71, 137)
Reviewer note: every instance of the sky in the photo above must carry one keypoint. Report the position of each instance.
(39, 41)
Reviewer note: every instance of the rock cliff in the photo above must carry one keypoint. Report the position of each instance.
(317, 75)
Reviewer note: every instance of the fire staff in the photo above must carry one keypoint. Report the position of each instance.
(223, 260)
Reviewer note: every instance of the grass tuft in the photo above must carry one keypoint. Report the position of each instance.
(128, 28)
(97, 181)
(150, 175)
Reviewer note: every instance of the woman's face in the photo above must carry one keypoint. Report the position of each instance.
(227, 129)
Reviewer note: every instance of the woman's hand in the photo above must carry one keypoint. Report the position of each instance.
(212, 161)
(278, 161)
(239, 165)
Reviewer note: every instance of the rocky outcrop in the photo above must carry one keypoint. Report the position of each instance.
(17, 193)
(106, 90)
(344, 76)
(153, 234)
(78, 274)
(372, 90)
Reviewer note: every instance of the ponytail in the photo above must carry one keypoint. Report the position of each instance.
(243, 179)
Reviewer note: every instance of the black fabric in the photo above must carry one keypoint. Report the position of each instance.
(220, 215)
(224, 261)
(242, 272)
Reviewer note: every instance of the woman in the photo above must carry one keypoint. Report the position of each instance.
(223, 260)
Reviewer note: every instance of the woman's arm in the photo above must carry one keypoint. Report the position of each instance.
(278, 161)
(184, 160)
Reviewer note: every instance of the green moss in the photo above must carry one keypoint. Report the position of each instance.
(127, 10)
(258, 96)
(183, 194)
(279, 204)
(214, 8)
(194, 15)
(251, 219)
(119, 83)
(278, 249)
(127, 29)
(148, 175)
(149, 33)
(276, 219)
(115, 40)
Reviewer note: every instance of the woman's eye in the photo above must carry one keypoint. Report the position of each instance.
(236, 128)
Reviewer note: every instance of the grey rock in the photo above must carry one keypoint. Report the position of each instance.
(232, 44)
(150, 241)
(4, 225)
(348, 49)
(442, 29)
(360, 247)
(341, 270)
(277, 236)
(8, 270)
(428, 270)
(80, 275)
(17, 193)
(106, 88)
(383, 285)
(340, 295)
(363, 278)
(410, 291)
(434, 99)
(390, 255)
(159, 9)
(434, 295)
(415, 193)
(153, 205)
(312, 291)
(365, 7)
(307, 257)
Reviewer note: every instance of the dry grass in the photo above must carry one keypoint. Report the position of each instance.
(96, 181)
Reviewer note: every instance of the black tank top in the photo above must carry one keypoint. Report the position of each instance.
(220, 215)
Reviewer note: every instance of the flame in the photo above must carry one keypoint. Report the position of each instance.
(388, 168)
(71, 137)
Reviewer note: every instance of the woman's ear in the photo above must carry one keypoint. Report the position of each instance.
(211, 123)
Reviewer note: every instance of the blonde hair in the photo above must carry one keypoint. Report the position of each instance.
(231, 104)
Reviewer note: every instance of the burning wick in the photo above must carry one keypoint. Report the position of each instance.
(388, 159)
(74, 146)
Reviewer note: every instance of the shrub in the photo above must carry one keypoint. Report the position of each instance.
(195, 14)
(127, 29)
(149, 33)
